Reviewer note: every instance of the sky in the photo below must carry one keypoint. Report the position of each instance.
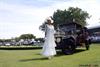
(25, 16)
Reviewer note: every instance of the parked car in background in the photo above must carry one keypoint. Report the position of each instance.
(95, 39)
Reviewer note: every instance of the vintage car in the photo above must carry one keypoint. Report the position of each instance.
(70, 36)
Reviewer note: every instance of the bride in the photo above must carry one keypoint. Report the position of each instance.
(48, 49)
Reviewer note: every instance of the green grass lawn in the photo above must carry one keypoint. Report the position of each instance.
(32, 58)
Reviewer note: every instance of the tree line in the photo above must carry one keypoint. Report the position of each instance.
(24, 37)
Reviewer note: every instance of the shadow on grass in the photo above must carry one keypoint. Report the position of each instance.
(79, 50)
(34, 59)
(60, 53)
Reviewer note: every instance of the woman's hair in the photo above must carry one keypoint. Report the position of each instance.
(43, 26)
(47, 19)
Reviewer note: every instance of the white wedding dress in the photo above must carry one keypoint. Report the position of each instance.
(49, 44)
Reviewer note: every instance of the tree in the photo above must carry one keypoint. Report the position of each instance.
(17, 39)
(1, 40)
(27, 36)
(76, 15)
